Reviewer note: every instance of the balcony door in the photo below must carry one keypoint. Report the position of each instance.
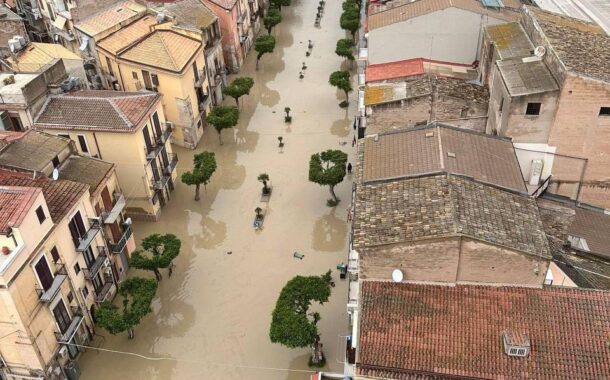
(157, 124)
(77, 228)
(89, 257)
(147, 81)
(106, 199)
(61, 316)
(44, 273)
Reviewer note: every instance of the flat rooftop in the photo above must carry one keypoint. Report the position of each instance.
(526, 78)
(510, 40)
(33, 151)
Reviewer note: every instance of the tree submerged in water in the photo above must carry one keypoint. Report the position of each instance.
(343, 81)
(159, 252)
(263, 45)
(292, 324)
(137, 294)
(223, 117)
(328, 169)
(273, 18)
(238, 88)
(204, 165)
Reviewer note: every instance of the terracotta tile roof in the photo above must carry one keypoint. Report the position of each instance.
(456, 332)
(110, 17)
(581, 46)
(87, 170)
(96, 109)
(442, 206)
(36, 55)
(15, 202)
(164, 49)
(127, 35)
(420, 151)
(61, 195)
(393, 70)
(190, 13)
(403, 10)
(226, 4)
(33, 151)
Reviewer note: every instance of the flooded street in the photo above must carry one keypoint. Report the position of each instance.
(212, 316)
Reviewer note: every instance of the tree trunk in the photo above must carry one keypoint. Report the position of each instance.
(269, 31)
(332, 192)
(346, 96)
(220, 136)
(158, 274)
(130, 333)
(197, 192)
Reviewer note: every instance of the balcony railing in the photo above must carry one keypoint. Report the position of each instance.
(171, 166)
(201, 75)
(77, 319)
(85, 241)
(153, 151)
(97, 264)
(104, 292)
(111, 216)
(122, 243)
(204, 104)
(160, 183)
(166, 133)
(212, 45)
(49, 295)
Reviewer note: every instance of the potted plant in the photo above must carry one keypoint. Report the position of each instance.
(259, 214)
(287, 118)
(281, 140)
(264, 177)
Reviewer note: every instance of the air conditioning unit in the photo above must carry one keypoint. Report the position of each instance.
(169, 125)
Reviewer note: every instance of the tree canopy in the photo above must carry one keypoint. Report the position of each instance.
(342, 80)
(273, 18)
(204, 165)
(263, 45)
(350, 21)
(345, 48)
(239, 87)
(137, 294)
(328, 169)
(279, 3)
(159, 252)
(223, 117)
(291, 324)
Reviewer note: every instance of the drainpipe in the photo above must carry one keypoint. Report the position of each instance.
(97, 146)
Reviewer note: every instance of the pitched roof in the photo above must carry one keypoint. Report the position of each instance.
(439, 148)
(127, 35)
(15, 202)
(510, 40)
(403, 10)
(226, 4)
(164, 49)
(37, 54)
(88, 170)
(96, 110)
(442, 206)
(393, 70)
(111, 16)
(594, 227)
(456, 332)
(526, 78)
(61, 195)
(8, 14)
(190, 13)
(33, 151)
(581, 46)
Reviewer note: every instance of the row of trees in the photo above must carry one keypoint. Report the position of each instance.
(350, 22)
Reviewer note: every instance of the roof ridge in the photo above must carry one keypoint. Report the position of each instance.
(120, 112)
(454, 203)
(169, 53)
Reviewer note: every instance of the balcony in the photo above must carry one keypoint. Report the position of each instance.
(201, 75)
(166, 133)
(120, 246)
(49, 295)
(105, 291)
(153, 151)
(77, 319)
(95, 267)
(159, 184)
(111, 216)
(212, 45)
(205, 103)
(85, 241)
(171, 166)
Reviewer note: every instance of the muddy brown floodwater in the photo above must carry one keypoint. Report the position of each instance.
(212, 316)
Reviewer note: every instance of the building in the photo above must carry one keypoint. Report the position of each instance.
(11, 25)
(53, 272)
(588, 10)
(192, 18)
(35, 27)
(398, 104)
(44, 155)
(440, 30)
(128, 129)
(425, 331)
(36, 57)
(140, 57)
(236, 18)
(549, 83)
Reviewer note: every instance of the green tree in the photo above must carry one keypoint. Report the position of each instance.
(273, 18)
(279, 3)
(137, 294)
(292, 325)
(264, 177)
(350, 21)
(351, 4)
(223, 117)
(345, 49)
(328, 169)
(342, 80)
(239, 87)
(159, 252)
(263, 45)
(204, 165)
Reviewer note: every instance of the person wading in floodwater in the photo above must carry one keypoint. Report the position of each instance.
(349, 168)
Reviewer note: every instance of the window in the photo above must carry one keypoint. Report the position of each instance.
(55, 162)
(146, 77)
(62, 317)
(77, 228)
(44, 273)
(70, 297)
(40, 214)
(85, 292)
(501, 105)
(77, 268)
(55, 254)
(109, 64)
(533, 109)
(604, 111)
(195, 72)
(155, 79)
(82, 140)
(134, 75)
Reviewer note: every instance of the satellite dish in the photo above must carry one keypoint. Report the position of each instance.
(55, 174)
(539, 51)
(397, 275)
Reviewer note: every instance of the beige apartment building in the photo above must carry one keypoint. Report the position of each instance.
(54, 269)
(128, 129)
(549, 82)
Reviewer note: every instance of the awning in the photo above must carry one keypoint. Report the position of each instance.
(59, 22)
